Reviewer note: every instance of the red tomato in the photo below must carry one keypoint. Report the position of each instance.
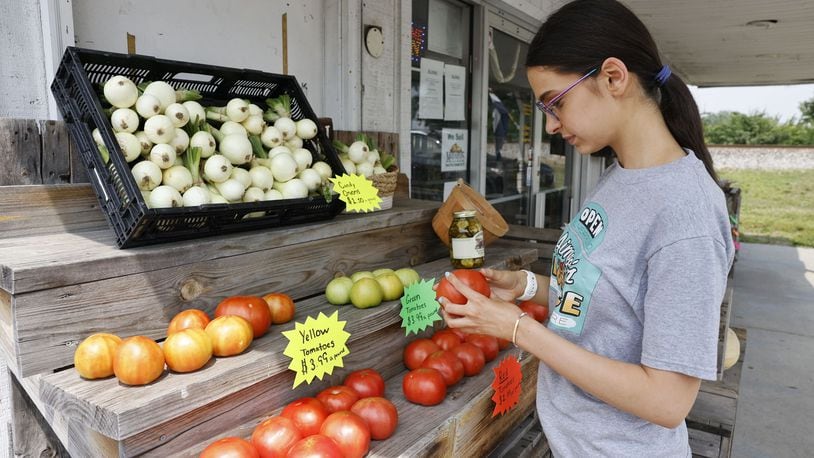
(275, 436)
(472, 358)
(537, 311)
(424, 386)
(190, 318)
(93, 357)
(230, 335)
(503, 344)
(138, 361)
(447, 364)
(461, 335)
(446, 339)
(380, 415)
(187, 350)
(366, 382)
(417, 351)
(349, 431)
(230, 447)
(471, 278)
(307, 415)
(281, 307)
(337, 398)
(316, 446)
(254, 309)
(486, 343)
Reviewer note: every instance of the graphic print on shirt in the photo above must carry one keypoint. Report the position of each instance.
(573, 278)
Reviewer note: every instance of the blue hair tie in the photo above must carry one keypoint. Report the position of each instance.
(663, 75)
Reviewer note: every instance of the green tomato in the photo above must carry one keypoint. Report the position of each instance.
(408, 276)
(338, 290)
(366, 293)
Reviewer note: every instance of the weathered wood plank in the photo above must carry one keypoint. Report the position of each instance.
(533, 233)
(31, 434)
(37, 262)
(704, 444)
(50, 322)
(120, 412)
(19, 152)
(37, 209)
(8, 348)
(56, 152)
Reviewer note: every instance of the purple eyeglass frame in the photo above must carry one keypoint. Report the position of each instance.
(547, 107)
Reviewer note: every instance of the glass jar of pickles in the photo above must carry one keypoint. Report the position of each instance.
(466, 240)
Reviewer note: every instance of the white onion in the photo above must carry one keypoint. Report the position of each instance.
(373, 156)
(231, 127)
(146, 196)
(163, 155)
(271, 137)
(255, 110)
(159, 129)
(131, 147)
(205, 141)
(178, 177)
(195, 110)
(294, 142)
(311, 178)
(231, 190)
(147, 175)
(279, 150)
(121, 92)
(241, 175)
(163, 92)
(146, 144)
(196, 196)
(365, 169)
(165, 197)
(180, 141)
(323, 168)
(273, 194)
(97, 137)
(350, 167)
(253, 195)
(217, 168)
(357, 152)
(254, 124)
(283, 167)
(237, 110)
(303, 158)
(377, 170)
(178, 114)
(124, 120)
(237, 148)
(217, 199)
(148, 106)
(261, 177)
(294, 189)
(306, 129)
(286, 127)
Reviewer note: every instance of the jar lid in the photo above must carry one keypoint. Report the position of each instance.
(464, 214)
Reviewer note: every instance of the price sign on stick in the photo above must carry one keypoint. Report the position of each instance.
(316, 347)
(357, 192)
(419, 309)
(506, 385)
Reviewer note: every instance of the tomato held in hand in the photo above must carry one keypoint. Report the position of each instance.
(366, 383)
(380, 415)
(446, 339)
(281, 306)
(417, 351)
(138, 361)
(486, 343)
(231, 447)
(230, 335)
(472, 358)
(316, 446)
(537, 311)
(187, 350)
(349, 431)
(338, 398)
(307, 415)
(471, 278)
(190, 318)
(424, 386)
(275, 436)
(93, 357)
(254, 309)
(447, 364)
(503, 344)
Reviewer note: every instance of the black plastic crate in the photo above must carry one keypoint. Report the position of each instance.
(74, 88)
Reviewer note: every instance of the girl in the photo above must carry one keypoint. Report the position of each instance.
(638, 275)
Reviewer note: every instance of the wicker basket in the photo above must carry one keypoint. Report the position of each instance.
(386, 184)
(463, 197)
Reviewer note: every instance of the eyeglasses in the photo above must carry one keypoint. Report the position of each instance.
(548, 108)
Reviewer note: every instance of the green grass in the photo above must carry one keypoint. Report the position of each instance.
(777, 206)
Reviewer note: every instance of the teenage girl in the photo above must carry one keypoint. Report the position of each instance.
(639, 274)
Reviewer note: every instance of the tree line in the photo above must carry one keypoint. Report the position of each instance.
(733, 128)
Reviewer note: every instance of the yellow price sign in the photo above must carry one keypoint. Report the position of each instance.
(357, 192)
(316, 347)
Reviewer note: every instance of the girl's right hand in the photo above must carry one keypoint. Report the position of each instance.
(506, 285)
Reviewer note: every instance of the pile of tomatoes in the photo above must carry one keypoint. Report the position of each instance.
(339, 422)
(192, 340)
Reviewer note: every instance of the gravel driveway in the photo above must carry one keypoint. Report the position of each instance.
(765, 158)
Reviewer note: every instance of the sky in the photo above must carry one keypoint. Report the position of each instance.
(781, 101)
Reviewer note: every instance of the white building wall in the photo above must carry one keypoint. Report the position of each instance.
(22, 70)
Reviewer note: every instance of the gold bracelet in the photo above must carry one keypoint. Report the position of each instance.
(516, 324)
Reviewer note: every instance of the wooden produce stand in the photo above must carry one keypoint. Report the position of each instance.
(62, 278)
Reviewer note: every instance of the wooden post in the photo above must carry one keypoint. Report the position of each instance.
(19, 152)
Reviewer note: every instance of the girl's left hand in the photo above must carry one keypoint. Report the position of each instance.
(480, 314)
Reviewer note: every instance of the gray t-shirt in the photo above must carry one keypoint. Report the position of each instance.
(637, 276)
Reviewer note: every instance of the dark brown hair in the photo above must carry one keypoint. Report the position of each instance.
(583, 33)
